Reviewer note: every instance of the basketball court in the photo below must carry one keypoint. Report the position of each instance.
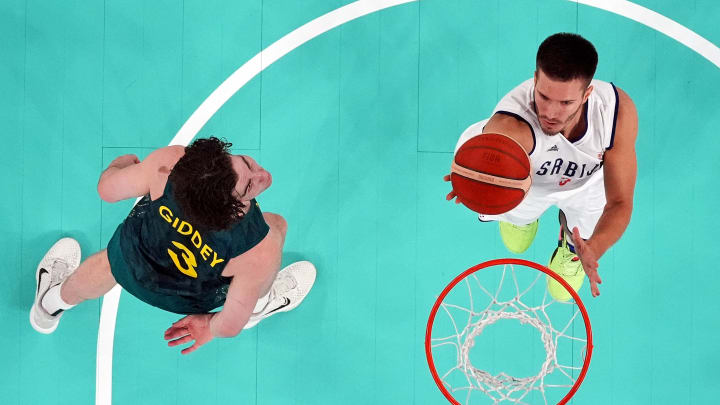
(356, 117)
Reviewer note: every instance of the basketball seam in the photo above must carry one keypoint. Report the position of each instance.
(491, 174)
(491, 184)
(497, 150)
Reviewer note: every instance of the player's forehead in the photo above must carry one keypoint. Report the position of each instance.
(239, 161)
(241, 167)
(559, 90)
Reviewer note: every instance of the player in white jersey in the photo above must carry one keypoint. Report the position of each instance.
(580, 136)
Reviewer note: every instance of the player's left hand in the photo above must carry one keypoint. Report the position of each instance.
(193, 327)
(588, 258)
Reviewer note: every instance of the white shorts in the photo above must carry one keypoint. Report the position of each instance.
(582, 207)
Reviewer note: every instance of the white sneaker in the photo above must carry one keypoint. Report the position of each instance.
(58, 264)
(290, 287)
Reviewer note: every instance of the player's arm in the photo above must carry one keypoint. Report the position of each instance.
(242, 295)
(202, 328)
(620, 173)
(512, 127)
(128, 177)
(253, 272)
(506, 125)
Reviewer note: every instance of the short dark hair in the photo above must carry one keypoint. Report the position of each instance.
(203, 182)
(565, 56)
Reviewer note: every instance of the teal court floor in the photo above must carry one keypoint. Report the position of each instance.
(357, 127)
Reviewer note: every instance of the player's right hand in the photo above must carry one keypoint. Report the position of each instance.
(451, 194)
(588, 258)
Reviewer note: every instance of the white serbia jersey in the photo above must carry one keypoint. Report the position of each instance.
(558, 165)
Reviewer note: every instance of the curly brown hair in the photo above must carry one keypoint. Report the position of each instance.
(204, 185)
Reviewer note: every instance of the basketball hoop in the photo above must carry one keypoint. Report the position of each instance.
(565, 336)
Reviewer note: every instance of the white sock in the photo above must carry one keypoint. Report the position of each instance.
(261, 303)
(53, 302)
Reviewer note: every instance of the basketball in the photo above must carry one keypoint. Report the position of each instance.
(491, 174)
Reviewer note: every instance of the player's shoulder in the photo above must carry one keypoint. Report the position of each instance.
(164, 157)
(610, 93)
(604, 94)
(624, 98)
(507, 122)
(627, 112)
(157, 167)
(627, 121)
(168, 152)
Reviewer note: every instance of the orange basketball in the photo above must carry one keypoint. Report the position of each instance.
(491, 174)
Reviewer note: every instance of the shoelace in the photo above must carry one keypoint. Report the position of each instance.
(59, 271)
(567, 269)
(283, 284)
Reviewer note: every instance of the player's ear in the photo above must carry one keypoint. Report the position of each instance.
(587, 93)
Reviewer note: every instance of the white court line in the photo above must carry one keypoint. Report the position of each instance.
(269, 55)
(283, 46)
(280, 48)
(659, 23)
(106, 338)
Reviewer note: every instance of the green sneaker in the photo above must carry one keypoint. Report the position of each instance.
(568, 265)
(518, 238)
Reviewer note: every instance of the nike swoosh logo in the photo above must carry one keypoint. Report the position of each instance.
(56, 313)
(287, 302)
(42, 271)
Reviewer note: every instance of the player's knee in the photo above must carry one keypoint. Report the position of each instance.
(276, 222)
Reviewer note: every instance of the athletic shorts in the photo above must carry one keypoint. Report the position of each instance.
(582, 207)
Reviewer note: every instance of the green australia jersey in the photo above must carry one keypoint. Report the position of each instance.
(173, 265)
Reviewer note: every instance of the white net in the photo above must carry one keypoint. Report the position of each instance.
(470, 309)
